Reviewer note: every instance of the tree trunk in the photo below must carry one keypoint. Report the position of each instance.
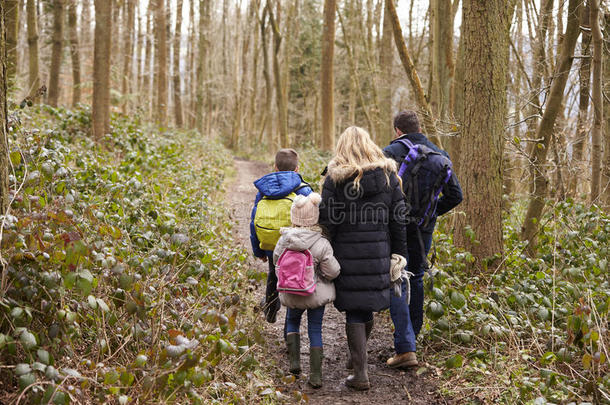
(605, 186)
(598, 111)
(12, 35)
(420, 98)
(582, 126)
(386, 57)
(74, 53)
(127, 54)
(442, 57)
(486, 27)
(34, 78)
(177, 75)
(545, 128)
(4, 154)
(56, 52)
(327, 81)
(280, 99)
(101, 69)
(202, 73)
(268, 89)
(161, 50)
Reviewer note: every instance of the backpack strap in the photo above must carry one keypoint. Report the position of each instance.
(300, 186)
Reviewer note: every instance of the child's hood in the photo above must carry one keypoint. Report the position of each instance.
(278, 184)
(299, 239)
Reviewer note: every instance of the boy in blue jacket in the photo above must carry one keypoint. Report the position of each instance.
(275, 188)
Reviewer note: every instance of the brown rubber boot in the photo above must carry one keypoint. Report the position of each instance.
(368, 327)
(356, 340)
(293, 342)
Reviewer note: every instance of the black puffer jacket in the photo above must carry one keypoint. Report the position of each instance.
(365, 227)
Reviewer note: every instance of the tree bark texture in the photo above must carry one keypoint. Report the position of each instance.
(161, 50)
(429, 125)
(544, 131)
(74, 53)
(177, 87)
(280, 99)
(605, 179)
(4, 154)
(12, 34)
(127, 53)
(598, 111)
(202, 71)
(486, 27)
(33, 69)
(101, 69)
(386, 56)
(442, 57)
(56, 52)
(583, 125)
(327, 80)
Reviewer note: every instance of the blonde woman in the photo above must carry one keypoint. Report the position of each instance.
(363, 210)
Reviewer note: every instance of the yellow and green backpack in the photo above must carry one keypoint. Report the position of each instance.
(271, 215)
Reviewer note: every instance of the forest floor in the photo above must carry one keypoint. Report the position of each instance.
(387, 385)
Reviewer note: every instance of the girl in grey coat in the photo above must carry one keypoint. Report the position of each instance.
(307, 235)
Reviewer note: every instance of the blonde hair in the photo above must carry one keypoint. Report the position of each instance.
(356, 152)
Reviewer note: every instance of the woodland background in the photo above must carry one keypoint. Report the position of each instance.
(102, 98)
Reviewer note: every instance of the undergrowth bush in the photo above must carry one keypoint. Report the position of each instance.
(535, 330)
(121, 279)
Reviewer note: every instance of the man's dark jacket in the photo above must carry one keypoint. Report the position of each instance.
(451, 195)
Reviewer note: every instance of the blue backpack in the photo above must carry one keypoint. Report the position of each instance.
(424, 173)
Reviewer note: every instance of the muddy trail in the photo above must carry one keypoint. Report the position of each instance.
(388, 386)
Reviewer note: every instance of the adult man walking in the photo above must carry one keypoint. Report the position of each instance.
(408, 318)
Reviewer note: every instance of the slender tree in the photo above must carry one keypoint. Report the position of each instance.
(32, 19)
(4, 155)
(327, 85)
(605, 184)
(598, 112)
(202, 71)
(386, 56)
(101, 69)
(56, 52)
(161, 42)
(584, 75)
(12, 35)
(128, 52)
(442, 56)
(280, 97)
(544, 131)
(177, 75)
(409, 67)
(74, 52)
(486, 28)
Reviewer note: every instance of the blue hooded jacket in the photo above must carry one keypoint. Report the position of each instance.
(274, 185)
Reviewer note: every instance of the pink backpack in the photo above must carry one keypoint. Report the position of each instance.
(295, 273)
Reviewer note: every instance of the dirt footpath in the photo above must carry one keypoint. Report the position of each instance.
(388, 386)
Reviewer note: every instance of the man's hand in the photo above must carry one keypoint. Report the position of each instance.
(263, 258)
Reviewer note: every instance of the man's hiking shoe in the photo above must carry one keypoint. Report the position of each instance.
(407, 359)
